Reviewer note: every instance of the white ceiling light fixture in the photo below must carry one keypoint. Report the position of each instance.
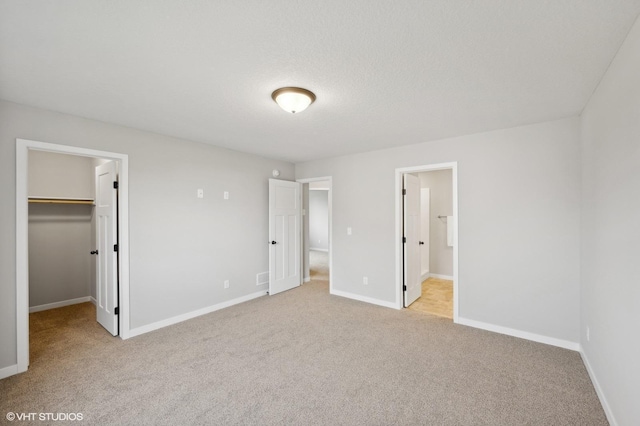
(293, 99)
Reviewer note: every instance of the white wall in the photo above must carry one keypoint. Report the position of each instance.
(441, 200)
(319, 220)
(519, 210)
(610, 292)
(60, 266)
(181, 248)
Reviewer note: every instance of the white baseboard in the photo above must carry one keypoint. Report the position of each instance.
(319, 249)
(94, 301)
(603, 400)
(11, 370)
(441, 277)
(307, 279)
(424, 276)
(566, 344)
(180, 318)
(364, 299)
(60, 304)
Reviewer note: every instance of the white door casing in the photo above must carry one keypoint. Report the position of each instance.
(411, 215)
(285, 213)
(106, 239)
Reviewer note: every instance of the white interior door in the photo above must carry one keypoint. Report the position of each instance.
(106, 241)
(411, 213)
(284, 235)
(425, 200)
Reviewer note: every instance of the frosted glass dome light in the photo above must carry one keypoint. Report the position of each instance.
(293, 99)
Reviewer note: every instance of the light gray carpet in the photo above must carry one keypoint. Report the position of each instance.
(318, 265)
(301, 357)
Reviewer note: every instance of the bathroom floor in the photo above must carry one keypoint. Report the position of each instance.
(436, 298)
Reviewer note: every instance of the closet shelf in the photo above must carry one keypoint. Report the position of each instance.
(61, 200)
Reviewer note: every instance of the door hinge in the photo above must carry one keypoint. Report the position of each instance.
(115, 185)
(404, 192)
(115, 247)
(404, 288)
(117, 311)
(404, 239)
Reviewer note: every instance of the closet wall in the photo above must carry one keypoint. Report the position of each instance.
(60, 235)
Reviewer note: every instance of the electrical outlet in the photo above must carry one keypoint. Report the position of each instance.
(365, 280)
(200, 193)
(226, 195)
(226, 283)
(588, 334)
(349, 230)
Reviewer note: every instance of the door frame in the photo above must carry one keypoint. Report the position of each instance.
(330, 210)
(399, 172)
(23, 146)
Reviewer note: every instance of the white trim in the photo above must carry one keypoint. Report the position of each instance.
(453, 166)
(365, 299)
(318, 189)
(22, 231)
(441, 277)
(596, 384)
(566, 344)
(424, 276)
(190, 315)
(319, 249)
(307, 279)
(9, 371)
(93, 300)
(330, 212)
(60, 304)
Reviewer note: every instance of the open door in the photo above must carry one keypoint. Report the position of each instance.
(107, 250)
(411, 215)
(284, 235)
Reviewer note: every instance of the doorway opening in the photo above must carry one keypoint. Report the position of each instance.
(316, 247)
(45, 214)
(427, 248)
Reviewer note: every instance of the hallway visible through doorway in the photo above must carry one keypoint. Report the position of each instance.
(318, 265)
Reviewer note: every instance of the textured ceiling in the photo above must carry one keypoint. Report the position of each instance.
(386, 73)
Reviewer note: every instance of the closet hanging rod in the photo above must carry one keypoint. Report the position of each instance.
(60, 200)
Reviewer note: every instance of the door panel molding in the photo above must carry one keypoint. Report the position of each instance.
(285, 235)
(106, 203)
